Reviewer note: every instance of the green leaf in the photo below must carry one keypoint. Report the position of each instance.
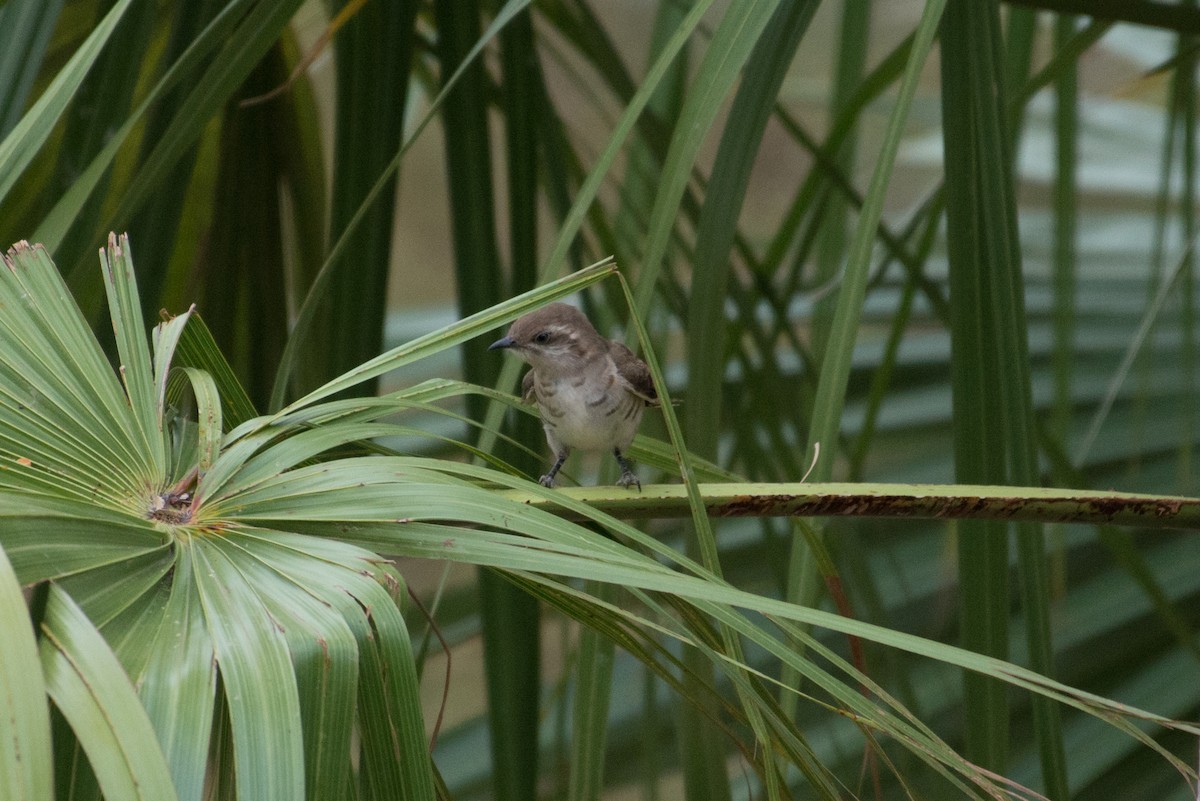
(727, 186)
(178, 682)
(111, 594)
(260, 686)
(732, 43)
(26, 772)
(136, 371)
(374, 60)
(48, 537)
(164, 340)
(63, 414)
(198, 349)
(590, 712)
(609, 562)
(323, 652)
(91, 690)
(25, 28)
(993, 407)
(475, 325)
(35, 127)
(257, 29)
(320, 285)
(362, 588)
(835, 364)
(55, 224)
(208, 415)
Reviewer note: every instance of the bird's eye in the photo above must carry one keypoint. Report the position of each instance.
(542, 337)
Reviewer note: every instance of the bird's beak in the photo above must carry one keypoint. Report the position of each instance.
(506, 342)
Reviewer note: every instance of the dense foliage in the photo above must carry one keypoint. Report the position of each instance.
(893, 294)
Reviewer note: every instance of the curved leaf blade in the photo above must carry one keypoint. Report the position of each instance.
(178, 683)
(26, 772)
(62, 409)
(35, 127)
(90, 688)
(260, 685)
(136, 369)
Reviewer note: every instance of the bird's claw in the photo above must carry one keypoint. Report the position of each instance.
(628, 479)
(546, 480)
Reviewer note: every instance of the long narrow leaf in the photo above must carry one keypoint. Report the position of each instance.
(178, 684)
(56, 377)
(472, 326)
(136, 370)
(260, 687)
(55, 224)
(35, 127)
(319, 288)
(732, 44)
(25, 28)
(92, 691)
(25, 757)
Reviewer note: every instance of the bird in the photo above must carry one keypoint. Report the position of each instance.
(590, 391)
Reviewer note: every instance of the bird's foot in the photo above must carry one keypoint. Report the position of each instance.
(548, 479)
(628, 479)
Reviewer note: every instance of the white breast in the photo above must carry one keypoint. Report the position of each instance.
(594, 414)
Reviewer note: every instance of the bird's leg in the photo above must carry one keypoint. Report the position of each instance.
(548, 479)
(627, 479)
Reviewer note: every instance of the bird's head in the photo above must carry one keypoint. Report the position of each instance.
(555, 338)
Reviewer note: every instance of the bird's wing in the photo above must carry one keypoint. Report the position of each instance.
(635, 373)
(527, 392)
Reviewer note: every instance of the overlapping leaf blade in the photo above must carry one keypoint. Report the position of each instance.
(22, 143)
(256, 671)
(178, 683)
(93, 692)
(64, 417)
(25, 755)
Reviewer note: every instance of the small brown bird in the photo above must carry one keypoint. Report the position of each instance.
(590, 391)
